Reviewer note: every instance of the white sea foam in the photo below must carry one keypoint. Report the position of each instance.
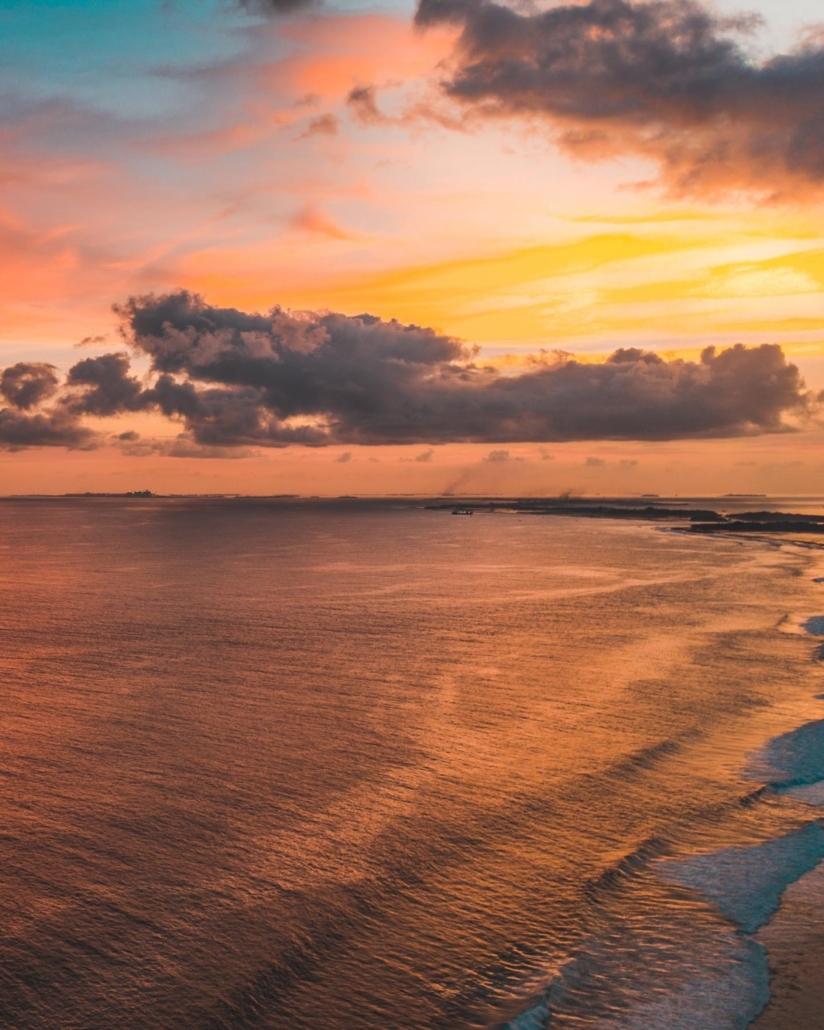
(724, 1000)
(812, 793)
(814, 625)
(725, 987)
(793, 759)
(726, 981)
(709, 975)
(718, 977)
(532, 1019)
(746, 884)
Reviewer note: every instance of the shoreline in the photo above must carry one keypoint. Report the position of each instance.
(795, 952)
(793, 938)
(770, 894)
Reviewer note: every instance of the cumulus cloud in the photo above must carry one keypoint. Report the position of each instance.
(28, 383)
(26, 386)
(42, 429)
(667, 79)
(106, 386)
(239, 379)
(43, 412)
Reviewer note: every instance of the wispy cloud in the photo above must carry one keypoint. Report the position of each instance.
(310, 219)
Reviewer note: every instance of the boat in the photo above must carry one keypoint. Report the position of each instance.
(462, 511)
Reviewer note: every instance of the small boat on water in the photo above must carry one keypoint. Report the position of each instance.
(462, 511)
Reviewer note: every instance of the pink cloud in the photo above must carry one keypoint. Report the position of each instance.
(309, 219)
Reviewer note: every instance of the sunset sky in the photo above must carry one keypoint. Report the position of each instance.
(520, 180)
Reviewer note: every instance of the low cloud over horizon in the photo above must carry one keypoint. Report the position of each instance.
(235, 379)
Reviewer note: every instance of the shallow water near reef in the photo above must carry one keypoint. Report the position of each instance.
(354, 765)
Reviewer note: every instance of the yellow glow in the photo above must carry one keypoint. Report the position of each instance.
(708, 281)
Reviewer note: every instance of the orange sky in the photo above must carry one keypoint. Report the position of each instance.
(249, 177)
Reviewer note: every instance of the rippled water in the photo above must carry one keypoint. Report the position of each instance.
(277, 765)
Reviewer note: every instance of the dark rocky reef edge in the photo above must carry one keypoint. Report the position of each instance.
(701, 520)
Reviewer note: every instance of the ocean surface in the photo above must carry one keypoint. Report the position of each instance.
(332, 766)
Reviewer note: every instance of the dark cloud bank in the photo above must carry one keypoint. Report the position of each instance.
(667, 79)
(234, 379)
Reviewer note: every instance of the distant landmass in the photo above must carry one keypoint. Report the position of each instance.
(127, 493)
(702, 520)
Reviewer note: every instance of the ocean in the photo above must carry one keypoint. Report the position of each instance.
(344, 765)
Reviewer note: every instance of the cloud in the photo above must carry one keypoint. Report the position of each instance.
(425, 456)
(45, 413)
(309, 219)
(595, 462)
(26, 386)
(363, 103)
(55, 429)
(107, 387)
(343, 458)
(240, 379)
(274, 8)
(28, 383)
(320, 378)
(323, 125)
(668, 79)
(497, 456)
